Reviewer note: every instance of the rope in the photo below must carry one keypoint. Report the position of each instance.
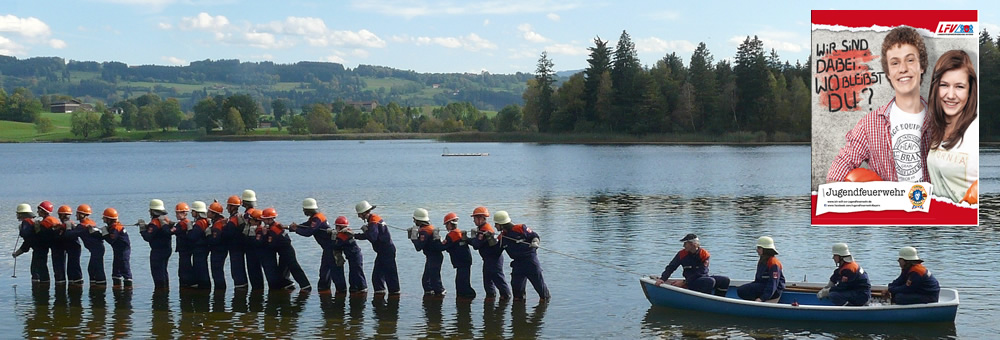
(612, 267)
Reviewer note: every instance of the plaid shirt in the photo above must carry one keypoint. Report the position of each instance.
(870, 141)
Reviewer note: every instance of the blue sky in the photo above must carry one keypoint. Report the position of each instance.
(420, 35)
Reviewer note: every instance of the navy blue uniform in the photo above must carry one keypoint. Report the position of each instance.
(851, 285)
(768, 283)
(915, 285)
(157, 233)
(344, 242)
(121, 249)
(218, 245)
(461, 259)
(94, 242)
(58, 251)
(281, 245)
(384, 272)
(524, 261)
(37, 239)
(432, 249)
(69, 241)
(696, 272)
(268, 260)
(185, 267)
(254, 270)
(236, 239)
(492, 255)
(198, 238)
(318, 228)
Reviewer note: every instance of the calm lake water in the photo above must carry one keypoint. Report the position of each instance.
(623, 206)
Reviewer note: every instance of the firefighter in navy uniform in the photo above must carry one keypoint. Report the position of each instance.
(180, 229)
(490, 249)
(236, 238)
(281, 244)
(218, 245)
(93, 240)
(157, 234)
(27, 231)
(384, 273)
(38, 237)
(426, 240)
(318, 228)
(121, 249)
(199, 237)
(695, 260)
(915, 283)
(461, 258)
(68, 239)
(344, 243)
(267, 257)
(521, 244)
(849, 284)
(255, 272)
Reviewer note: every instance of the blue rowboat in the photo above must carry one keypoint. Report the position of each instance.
(799, 302)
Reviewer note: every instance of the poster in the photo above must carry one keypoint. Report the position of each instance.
(895, 93)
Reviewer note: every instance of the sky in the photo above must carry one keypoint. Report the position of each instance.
(502, 36)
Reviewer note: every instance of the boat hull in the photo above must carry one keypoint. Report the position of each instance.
(808, 309)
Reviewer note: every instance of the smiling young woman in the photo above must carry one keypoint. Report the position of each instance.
(953, 161)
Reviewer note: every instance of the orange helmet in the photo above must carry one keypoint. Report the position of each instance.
(215, 207)
(84, 209)
(269, 213)
(255, 214)
(47, 206)
(341, 220)
(480, 210)
(234, 200)
(65, 209)
(111, 213)
(450, 216)
(182, 207)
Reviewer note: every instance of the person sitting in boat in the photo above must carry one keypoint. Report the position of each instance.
(849, 284)
(915, 284)
(694, 259)
(769, 282)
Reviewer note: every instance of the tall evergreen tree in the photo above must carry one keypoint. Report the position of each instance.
(598, 63)
(625, 68)
(545, 77)
(702, 76)
(752, 87)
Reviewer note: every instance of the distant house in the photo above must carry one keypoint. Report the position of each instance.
(264, 125)
(70, 106)
(436, 85)
(364, 105)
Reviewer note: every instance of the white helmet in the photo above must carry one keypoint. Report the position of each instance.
(421, 215)
(501, 217)
(200, 207)
(840, 249)
(249, 195)
(157, 205)
(363, 206)
(24, 208)
(766, 242)
(909, 254)
(309, 204)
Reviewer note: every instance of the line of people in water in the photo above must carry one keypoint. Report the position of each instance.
(260, 250)
(848, 286)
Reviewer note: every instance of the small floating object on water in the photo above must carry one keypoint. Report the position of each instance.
(445, 153)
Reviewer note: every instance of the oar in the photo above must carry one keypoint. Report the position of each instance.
(875, 293)
(14, 273)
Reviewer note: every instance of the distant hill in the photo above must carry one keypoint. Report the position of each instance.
(301, 83)
(568, 73)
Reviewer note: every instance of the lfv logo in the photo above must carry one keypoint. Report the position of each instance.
(956, 28)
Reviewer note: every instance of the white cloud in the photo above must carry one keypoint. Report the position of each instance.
(522, 53)
(657, 45)
(174, 61)
(411, 8)
(472, 42)
(205, 21)
(399, 38)
(9, 47)
(335, 59)
(57, 44)
(29, 27)
(553, 16)
(566, 49)
(360, 53)
(486, 22)
(665, 15)
(164, 26)
(297, 26)
(263, 40)
(152, 3)
(362, 38)
(530, 35)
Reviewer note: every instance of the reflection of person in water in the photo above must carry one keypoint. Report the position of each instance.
(386, 315)
(463, 319)
(121, 317)
(162, 324)
(38, 321)
(953, 161)
(432, 316)
(527, 326)
(493, 317)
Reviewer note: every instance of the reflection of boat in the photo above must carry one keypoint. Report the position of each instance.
(445, 153)
(799, 302)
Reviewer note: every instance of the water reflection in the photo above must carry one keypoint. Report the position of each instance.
(432, 317)
(493, 319)
(121, 316)
(462, 324)
(667, 323)
(162, 324)
(527, 325)
(386, 316)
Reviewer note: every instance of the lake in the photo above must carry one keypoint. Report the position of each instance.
(621, 208)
